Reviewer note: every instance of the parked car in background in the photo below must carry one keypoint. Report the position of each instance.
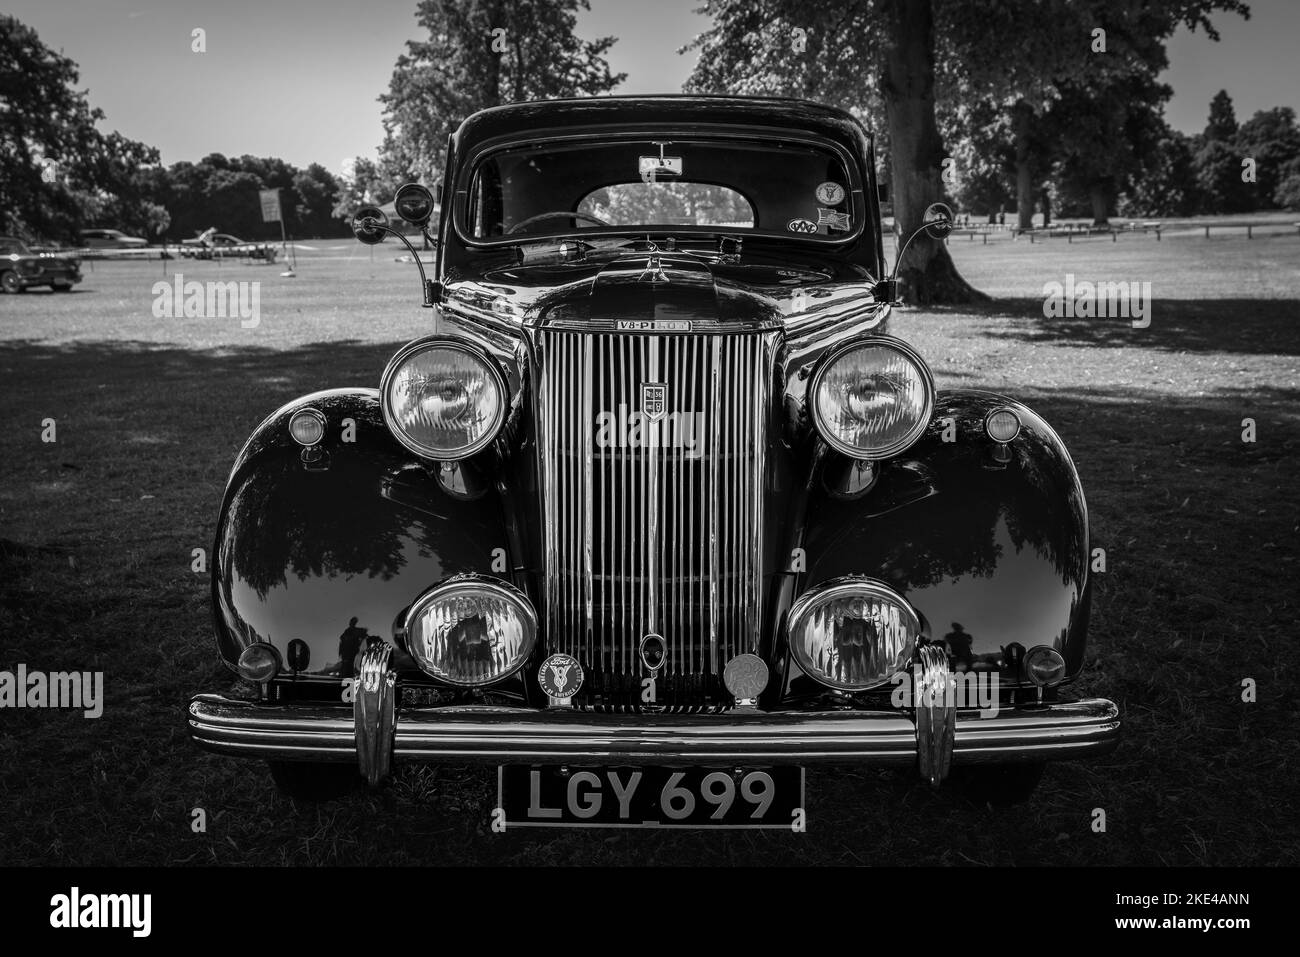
(22, 267)
(210, 244)
(657, 513)
(110, 239)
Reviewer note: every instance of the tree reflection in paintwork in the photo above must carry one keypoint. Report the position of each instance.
(335, 524)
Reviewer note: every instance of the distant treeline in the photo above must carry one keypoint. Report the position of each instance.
(1227, 168)
(59, 173)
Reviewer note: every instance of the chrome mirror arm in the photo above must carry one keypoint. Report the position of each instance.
(432, 290)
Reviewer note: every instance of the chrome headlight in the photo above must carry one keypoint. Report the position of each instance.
(443, 399)
(872, 398)
(853, 634)
(471, 630)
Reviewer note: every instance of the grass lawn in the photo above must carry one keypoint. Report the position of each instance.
(96, 532)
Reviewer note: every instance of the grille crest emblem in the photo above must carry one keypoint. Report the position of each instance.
(654, 400)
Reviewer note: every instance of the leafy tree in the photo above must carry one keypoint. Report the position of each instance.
(1287, 194)
(1272, 140)
(316, 190)
(866, 56)
(223, 192)
(1218, 175)
(1168, 187)
(479, 54)
(58, 172)
(361, 183)
(1110, 134)
(908, 56)
(1218, 161)
(1223, 119)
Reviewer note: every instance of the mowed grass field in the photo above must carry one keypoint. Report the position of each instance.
(1200, 592)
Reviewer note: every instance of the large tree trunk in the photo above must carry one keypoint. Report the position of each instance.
(1022, 116)
(916, 155)
(1100, 200)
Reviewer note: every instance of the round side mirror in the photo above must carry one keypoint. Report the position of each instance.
(414, 203)
(938, 220)
(369, 225)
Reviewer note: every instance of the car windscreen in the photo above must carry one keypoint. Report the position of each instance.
(790, 188)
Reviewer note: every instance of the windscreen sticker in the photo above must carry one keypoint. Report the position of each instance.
(801, 226)
(831, 219)
(830, 194)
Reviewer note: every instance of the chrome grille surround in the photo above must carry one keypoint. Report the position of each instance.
(653, 527)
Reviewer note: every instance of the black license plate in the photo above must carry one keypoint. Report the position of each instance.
(651, 797)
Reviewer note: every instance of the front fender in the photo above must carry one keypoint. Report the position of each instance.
(989, 554)
(331, 552)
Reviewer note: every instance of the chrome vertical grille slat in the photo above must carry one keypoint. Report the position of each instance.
(654, 537)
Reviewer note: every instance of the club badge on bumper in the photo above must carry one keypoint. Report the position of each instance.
(561, 678)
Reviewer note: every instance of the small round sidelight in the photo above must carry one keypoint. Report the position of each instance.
(307, 426)
(1002, 425)
(1044, 666)
(259, 662)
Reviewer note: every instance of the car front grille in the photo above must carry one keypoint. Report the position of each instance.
(653, 526)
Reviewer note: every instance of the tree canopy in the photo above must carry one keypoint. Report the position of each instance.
(479, 54)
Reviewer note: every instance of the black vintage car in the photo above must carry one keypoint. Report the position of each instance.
(657, 513)
(22, 268)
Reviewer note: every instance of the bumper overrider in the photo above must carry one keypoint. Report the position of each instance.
(374, 733)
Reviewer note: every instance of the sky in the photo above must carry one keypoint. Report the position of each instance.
(298, 79)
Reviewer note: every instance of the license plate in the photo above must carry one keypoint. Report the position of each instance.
(651, 797)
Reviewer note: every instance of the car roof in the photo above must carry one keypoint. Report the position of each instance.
(520, 119)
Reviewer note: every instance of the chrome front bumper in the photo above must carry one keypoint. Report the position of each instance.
(318, 732)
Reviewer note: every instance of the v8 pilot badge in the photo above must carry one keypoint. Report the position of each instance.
(560, 677)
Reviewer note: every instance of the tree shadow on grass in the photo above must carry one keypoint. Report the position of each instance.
(1234, 326)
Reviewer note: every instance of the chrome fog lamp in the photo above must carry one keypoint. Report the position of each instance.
(872, 398)
(259, 662)
(471, 630)
(853, 634)
(443, 399)
(1044, 666)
